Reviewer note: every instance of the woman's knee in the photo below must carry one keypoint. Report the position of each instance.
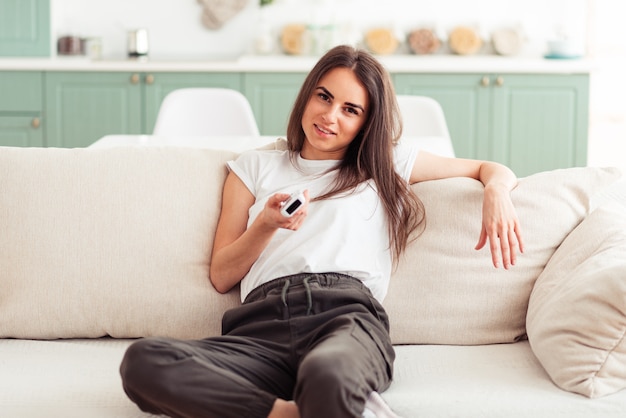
(141, 363)
(326, 387)
(325, 368)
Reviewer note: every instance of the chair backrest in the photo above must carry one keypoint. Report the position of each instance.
(205, 111)
(423, 116)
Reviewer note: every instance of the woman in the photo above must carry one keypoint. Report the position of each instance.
(311, 338)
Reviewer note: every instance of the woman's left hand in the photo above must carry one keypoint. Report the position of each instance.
(501, 227)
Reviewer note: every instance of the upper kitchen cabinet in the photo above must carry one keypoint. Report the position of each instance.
(272, 96)
(531, 123)
(85, 106)
(24, 28)
(21, 108)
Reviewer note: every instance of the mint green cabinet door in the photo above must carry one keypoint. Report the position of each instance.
(84, 106)
(21, 91)
(465, 101)
(21, 131)
(531, 122)
(540, 122)
(272, 96)
(21, 107)
(159, 85)
(24, 28)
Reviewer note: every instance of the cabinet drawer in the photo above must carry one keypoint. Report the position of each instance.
(21, 91)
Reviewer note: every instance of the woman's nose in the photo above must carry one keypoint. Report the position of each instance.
(331, 114)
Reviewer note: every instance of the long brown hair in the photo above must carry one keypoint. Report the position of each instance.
(370, 154)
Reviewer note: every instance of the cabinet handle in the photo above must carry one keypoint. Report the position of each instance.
(484, 81)
(149, 79)
(499, 81)
(35, 123)
(134, 79)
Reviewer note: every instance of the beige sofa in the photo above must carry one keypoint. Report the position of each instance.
(101, 246)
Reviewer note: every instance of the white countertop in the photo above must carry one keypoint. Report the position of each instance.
(282, 63)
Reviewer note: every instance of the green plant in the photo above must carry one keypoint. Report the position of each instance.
(266, 2)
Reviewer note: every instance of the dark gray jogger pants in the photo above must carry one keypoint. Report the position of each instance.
(319, 339)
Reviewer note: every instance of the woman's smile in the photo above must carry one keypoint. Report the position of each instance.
(322, 131)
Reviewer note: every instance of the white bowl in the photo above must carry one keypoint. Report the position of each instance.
(563, 48)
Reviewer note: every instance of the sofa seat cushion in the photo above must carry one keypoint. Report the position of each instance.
(485, 381)
(80, 379)
(64, 378)
(577, 310)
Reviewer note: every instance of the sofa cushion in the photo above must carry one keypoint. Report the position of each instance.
(445, 292)
(577, 310)
(80, 379)
(115, 242)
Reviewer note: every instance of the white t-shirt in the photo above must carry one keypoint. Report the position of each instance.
(344, 234)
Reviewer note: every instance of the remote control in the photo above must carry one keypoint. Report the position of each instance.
(292, 204)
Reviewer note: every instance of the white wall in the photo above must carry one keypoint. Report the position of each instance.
(607, 122)
(176, 31)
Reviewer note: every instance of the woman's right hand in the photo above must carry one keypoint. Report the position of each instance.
(272, 215)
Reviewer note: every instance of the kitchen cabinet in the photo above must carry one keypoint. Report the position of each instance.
(21, 107)
(24, 28)
(84, 106)
(539, 123)
(20, 131)
(272, 96)
(530, 122)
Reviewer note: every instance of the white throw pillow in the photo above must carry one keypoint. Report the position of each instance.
(577, 311)
(115, 242)
(445, 292)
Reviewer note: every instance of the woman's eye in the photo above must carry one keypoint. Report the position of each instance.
(323, 96)
(352, 110)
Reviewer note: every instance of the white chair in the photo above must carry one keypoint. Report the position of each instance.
(423, 120)
(205, 111)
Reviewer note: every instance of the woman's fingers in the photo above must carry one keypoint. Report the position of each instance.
(504, 244)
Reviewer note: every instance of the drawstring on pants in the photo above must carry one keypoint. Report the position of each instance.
(283, 294)
(309, 297)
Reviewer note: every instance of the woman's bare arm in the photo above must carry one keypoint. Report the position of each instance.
(236, 247)
(500, 224)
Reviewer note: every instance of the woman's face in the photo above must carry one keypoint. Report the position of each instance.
(334, 115)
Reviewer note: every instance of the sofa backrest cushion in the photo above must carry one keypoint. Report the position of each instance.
(446, 292)
(97, 242)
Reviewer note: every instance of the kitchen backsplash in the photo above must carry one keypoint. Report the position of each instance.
(176, 29)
